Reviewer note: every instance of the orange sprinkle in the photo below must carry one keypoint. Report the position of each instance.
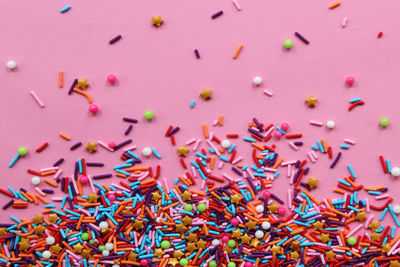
(277, 165)
(66, 137)
(47, 181)
(84, 94)
(258, 146)
(334, 5)
(324, 145)
(42, 199)
(48, 173)
(237, 52)
(220, 120)
(60, 78)
(205, 131)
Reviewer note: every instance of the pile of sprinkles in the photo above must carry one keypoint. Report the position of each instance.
(233, 219)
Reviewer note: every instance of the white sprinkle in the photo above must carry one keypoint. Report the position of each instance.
(37, 99)
(344, 22)
(236, 4)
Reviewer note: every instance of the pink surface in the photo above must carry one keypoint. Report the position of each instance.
(157, 70)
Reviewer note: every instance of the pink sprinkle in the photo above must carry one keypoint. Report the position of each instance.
(349, 141)
(236, 4)
(268, 93)
(344, 23)
(37, 99)
(191, 141)
(292, 145)
(316, 123)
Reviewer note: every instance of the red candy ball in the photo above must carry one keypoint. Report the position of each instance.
(83, 179)
(277, 134)
(248, 264)
(111, 197)
(144, 262)
(284, 126)
(112, 144)
(281, 210)
(93, 108)
(234, 221)
(111, 78)
(350, 80)
(225, 238)
(266, 194)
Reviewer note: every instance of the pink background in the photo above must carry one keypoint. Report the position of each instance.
(157, 70)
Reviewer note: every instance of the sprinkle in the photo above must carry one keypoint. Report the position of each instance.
(351, 171)
(196, 52)
(37, 99)
(64, 136)
(115, 39)
(60, 79)
(88, 97)
(358, 103)
(42, 147)
(131, 120)
(192, 103)
(236, 4)
(334, 5)
(301, 37)
(268, 93)
(344, 22)
(237, 52)
(316, 123)
(71, 89)
(355, 100)
(216, 15)
(65, 9)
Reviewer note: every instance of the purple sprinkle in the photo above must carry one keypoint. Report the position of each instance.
(127, 131)
(276, 198)
(71, 89)
(216, 15)
(72, 148)
(173, 131)
(58, 162)
(258, 124)
(336, 160)
(94, 164)
(23, 190)
(102, 176)
(9, 203)
(298, 143)
(115, 39)
(48, 191)
(122, 144)
(237, 171)
(130, 120)
(251, 130)
(196, 52)
(301, 37)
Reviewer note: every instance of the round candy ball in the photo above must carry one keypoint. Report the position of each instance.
(260, 208)
(111, 197)
(111, 78)
(105, 253)
(266, 194)
(22, 151)
(103, 225)
(225, 238)
(350, 80)
(266, 225)
(93, 108)
(201, 207)
(46, 254)
(165, 244)
(234, 221)
(85, 236)
(278, 134)
(351, 240)
(284, 126)
(257, 80)
(225, 144)
(396, 209)
(83, 179)
(231, 243)
(231, 264)
(330, 124)
(116, 265)
(50, 240)
(248, 264)
(259, 234)
(384, 122)
(395, 171)
(281, 211)
(148, 114)
(146, 151)
(35, 180)
(101, 247)
(183, 262)
(11, 64)
(215, 242)
(288, 44)
(212, 263)
(92, 242)
(144, 262)
(112, 144)
(188, 207)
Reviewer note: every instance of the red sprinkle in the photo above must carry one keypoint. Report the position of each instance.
(42, 147)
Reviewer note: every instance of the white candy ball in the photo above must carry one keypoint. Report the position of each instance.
(35, 180)
(259, 234)
(46, 254)
(395, 171)
(260, 208)
(103, 225)
(50, 240)
(109, 246)
(215, 242)
(105, 253)
(146, 151)
(11, 64)
(396, 209)
(257, 80)
(266, 225)
(225, 143)
(115, 265)
(158, 220)
(330, 124)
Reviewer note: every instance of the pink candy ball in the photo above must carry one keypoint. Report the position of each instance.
(248, 264)
(83, 179)
(111, 197)
(111, 78)
(277, 134)
(93, 108)
(112, 144)
(234, 221)
(225, 238)
(266, 194)
(350, 80)
(284, 126)
(281, 210)
(144, 262)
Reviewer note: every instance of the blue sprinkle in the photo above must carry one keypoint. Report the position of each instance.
(65, 9)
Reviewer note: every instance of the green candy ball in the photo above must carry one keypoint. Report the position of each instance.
(92, 242)
(351, 240)
(212, 263)
(183, 262)
(231, 264)
(148, 114)
(101, 247)
(165, 244)
(384, 122)
(188, 207)
(202, 207)
(288, 44)
(22, 151)
(85, 236)
(231, 243)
